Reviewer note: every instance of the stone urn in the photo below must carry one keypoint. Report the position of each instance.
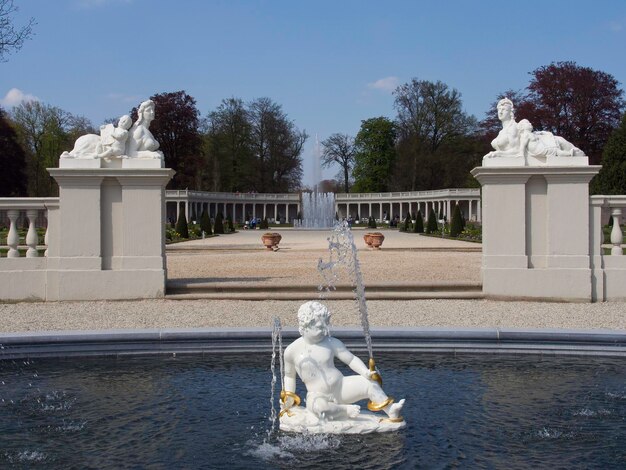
(271, 240)
(376, 240)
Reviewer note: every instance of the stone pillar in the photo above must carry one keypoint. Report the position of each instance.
(528, 251)
(110, 235)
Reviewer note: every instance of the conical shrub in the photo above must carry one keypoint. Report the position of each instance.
(219, 223)
(418, 227)
(205, 223)
(181, 225)
(456, 226)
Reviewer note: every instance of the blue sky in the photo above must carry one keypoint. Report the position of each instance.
(330, 64)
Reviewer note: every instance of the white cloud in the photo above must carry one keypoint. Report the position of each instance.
(16, 96)
(387, 84)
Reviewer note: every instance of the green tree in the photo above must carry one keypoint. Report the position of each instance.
(181, 225)
(12, 161)
(419, 223)
(231, 226)
(45, 132)
(205, 223)
(456, 225)
(375, 155)
(230, 143)
(612, 176)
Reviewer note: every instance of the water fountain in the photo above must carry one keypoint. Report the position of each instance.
(318, 210)
(330, 396)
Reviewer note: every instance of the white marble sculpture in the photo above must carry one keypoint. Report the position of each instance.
(122, 146)
(518, 145)
(330, 396)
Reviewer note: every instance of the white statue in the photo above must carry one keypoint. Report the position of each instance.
(330, 396)
(117, 143)
(141, 143)
(113, 139)
(518, 145)
(506, 144)
(542, 144)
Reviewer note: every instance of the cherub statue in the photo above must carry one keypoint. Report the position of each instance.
(113, 139)
(542, 144)
(330, 395)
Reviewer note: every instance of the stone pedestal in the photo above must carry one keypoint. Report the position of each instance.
(536, 232)
(108, 234)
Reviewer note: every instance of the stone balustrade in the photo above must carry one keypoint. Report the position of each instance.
(13, 213)
(608, 262)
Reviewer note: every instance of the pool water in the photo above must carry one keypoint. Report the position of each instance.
(213, 412)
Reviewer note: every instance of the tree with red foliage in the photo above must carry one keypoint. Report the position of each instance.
(577, 103)
(176, 128)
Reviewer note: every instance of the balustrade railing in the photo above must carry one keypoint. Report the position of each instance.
(13, 213)
(453, 192)
(616, 206)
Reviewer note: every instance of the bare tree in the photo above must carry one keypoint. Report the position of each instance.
(339, 148)
(12, 38)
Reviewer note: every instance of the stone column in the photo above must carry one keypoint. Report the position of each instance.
(527, 250)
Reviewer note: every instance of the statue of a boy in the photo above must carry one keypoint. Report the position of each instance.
(330, 395)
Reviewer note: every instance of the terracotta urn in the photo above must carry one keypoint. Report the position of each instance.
(376, 239)
(367, 239)
(271, 240)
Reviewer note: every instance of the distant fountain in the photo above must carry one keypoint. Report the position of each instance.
(318, 210)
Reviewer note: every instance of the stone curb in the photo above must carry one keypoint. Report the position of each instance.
(65, 344)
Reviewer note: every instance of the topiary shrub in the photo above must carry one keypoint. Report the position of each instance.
(219, 224)
(231, 227)
(418, 227)
(264, 225)
(431, 225)
(407, 223)
(371, 223)
(181, 226)
(205, 223)
(456, 226)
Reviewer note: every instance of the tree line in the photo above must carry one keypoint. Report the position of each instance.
(238, 146)
(432, 143)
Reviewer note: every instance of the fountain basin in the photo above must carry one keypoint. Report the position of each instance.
(206, 410)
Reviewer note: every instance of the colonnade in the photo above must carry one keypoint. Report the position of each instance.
(387, 206)
(239, 206)
(286, 207)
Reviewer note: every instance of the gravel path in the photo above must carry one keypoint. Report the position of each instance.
(226, 313)
(405, 257)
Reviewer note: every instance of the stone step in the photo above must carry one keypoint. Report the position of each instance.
(179, 290)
